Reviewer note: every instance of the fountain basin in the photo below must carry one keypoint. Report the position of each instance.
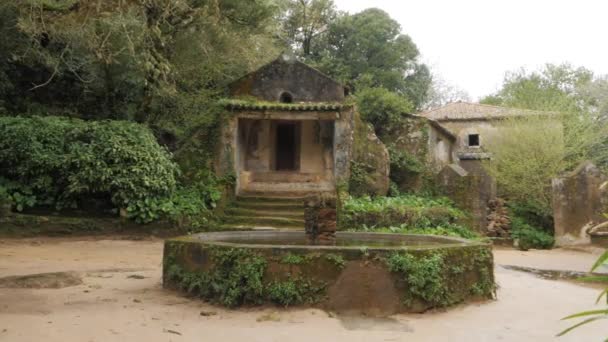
(369, 273)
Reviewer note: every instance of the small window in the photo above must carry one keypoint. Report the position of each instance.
(286, 97)
(473, 140)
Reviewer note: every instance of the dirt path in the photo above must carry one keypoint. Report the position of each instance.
(120, 299)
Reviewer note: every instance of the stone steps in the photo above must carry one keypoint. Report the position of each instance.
(266, 221)
(264, 213)
(268, 206)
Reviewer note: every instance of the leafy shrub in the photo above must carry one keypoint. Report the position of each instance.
(235, 280)
(293, 292)
(381, 107)
(528, 236)
(404, 214)
(425, 276)
(404, 162)
(413, 211)
(60, 162)
(190, 205)
(19, 196)
(532, 214)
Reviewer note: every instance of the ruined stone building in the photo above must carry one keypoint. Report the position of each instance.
(473, 125)
(459, 160)
(288, 131)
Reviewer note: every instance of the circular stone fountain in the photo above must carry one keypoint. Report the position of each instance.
(363, 272)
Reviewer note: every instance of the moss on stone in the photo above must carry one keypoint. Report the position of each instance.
(433, 277)
(293, 259)
(234, 276)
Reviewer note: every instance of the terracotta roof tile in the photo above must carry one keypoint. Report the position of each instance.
(473, 111)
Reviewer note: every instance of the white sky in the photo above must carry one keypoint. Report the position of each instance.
(472, 43)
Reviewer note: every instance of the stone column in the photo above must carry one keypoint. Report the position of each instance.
(320, 218)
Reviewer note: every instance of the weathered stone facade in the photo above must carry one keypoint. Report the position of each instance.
(288, 76)
(578, 203)
(287, 131)
(370, 165)
(470, 190)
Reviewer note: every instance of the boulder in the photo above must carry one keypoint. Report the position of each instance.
(370, 164)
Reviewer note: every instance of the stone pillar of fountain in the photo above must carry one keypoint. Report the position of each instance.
(320, 217)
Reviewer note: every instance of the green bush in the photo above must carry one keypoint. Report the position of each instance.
(413, 211)
(528, 236)
(404, 214)
(59, 162)
(382, 108)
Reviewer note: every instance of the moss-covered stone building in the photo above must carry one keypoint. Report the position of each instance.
(289, 131)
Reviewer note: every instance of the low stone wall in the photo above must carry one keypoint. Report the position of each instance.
(241, 268)
(579, 201)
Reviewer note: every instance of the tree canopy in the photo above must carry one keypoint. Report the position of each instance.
(367, 49)
(569, 128)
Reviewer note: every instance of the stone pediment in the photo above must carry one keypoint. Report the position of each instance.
(288, 80)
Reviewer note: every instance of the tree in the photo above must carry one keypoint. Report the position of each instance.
(530, 150)
(555, 87)
(367, 49)
(305, 20)
(442, 92)
(136, 60)
(382, 108)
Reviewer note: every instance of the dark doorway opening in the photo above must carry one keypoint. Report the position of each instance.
(287, 147)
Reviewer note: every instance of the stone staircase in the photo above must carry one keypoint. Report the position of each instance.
(265, 213)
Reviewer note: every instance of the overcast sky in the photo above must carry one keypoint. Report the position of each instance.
(472, 43)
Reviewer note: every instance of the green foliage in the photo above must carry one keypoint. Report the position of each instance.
(60, 162)
(305, 20)
(410, 210)
(293, 259)
(359, 178)
(532, 149)
(368, 50)
(532, 214)
(528, 236)
(128, 60)
(403, 161)
(335, 259)
(425, 276)
(236, 278)
(429, 275)
(294, 292)
(18, 195)
(381, 107)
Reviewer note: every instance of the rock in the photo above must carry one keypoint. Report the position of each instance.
(370, 165)
(136, 276)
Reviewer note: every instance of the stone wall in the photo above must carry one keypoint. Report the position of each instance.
(578, 203)
(369, 168)
(407, 143)
(287, 75)
(470, 190)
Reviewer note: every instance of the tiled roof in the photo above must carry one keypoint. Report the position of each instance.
(278, 106)
(474, 111)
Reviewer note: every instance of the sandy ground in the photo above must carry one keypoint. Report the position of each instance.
(114, 303)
